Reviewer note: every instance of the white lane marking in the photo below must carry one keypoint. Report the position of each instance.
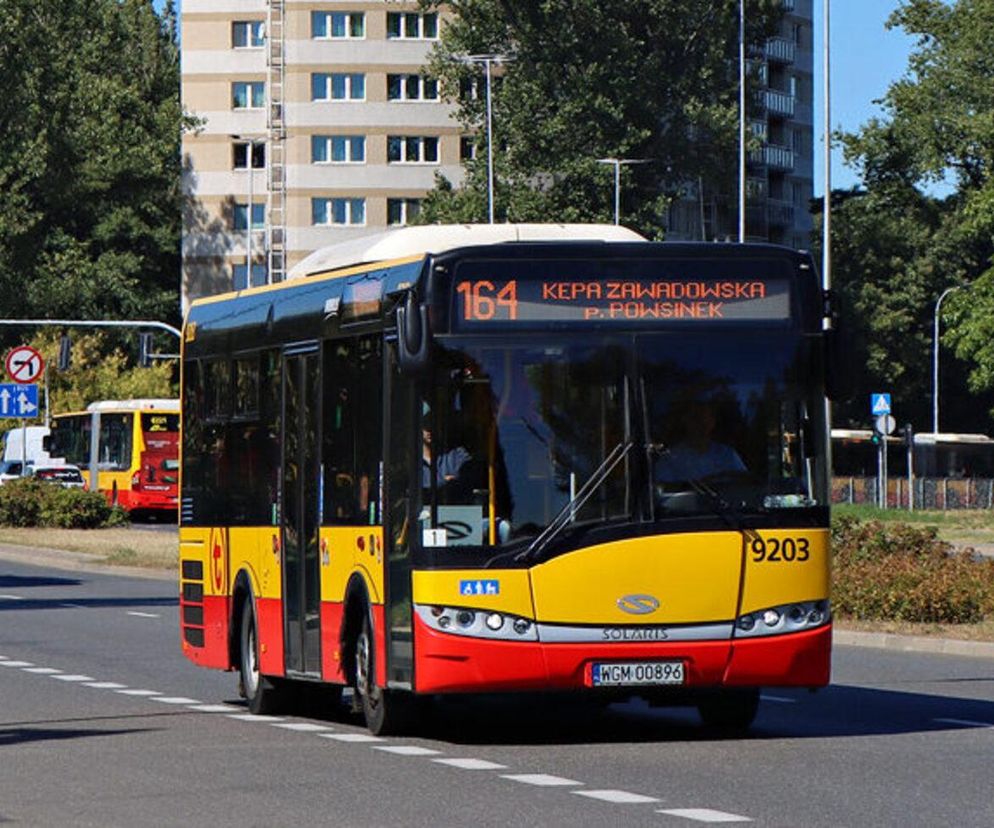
(304, 727)
(138, 692)
(407, 750)
(11, 597)
(964, 722)
(42, 671)
(17, 663)
(543, 780)
(175, 700)
(144, 614)
(705, 815)
(619, 797)
(73, 677)
(104, 685)
(780, 699)
(212, 708)
(351, 737)
(470, 764)
(252, 717)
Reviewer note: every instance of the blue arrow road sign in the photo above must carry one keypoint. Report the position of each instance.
(879, 404)
(18, 400)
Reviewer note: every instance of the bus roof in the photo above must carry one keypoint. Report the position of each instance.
(134, 405)
(437, 238)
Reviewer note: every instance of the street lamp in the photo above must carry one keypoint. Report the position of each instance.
(935, 357)
(742, 124)
(618, 163)
(487, 61)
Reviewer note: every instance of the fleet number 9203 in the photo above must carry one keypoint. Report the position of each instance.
(785, 550)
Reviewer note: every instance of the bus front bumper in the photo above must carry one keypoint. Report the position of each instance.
(450, 663)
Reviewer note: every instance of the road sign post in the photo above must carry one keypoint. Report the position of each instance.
(883, 424)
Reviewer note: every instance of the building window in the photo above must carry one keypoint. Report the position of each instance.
(248, 95)
(338, 87)
(412, 26)
(402, 210)
(338, 149)
(412, 150)
(340, 211)
(467, 148)
(239, 282)
(411, 88)
(335, 25)
(240, 155)
(248, 34)
(240, 215)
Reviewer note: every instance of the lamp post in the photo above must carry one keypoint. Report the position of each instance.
(618, 163)
(487, 61)
(742, 124)
(935, 357)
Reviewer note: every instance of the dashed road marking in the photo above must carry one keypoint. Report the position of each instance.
(144, 614)
(705, 815)
(351, 737)
(11, 597)
(252, 717)
(104, 685)
(213, 708)
(72, 677)
(175, 700)
(779, 699)
(471, 764)
(304, 727)
(407, 750)
(132, 692)
(543, 780)
(72, 606)
(9, 663)
(964, 722)
(42, 671)
(618, 797)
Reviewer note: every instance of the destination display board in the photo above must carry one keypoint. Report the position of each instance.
(482, 301)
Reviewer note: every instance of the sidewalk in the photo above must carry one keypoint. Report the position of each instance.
(64, 559)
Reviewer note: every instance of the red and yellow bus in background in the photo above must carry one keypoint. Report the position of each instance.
(136, 453)
(511, 458)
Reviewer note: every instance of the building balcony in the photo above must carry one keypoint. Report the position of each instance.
(779, 50)
(774, 157)
(779, 213)
(788, 5)
(778, 103)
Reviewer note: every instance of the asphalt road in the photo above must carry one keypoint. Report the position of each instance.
(103, 722)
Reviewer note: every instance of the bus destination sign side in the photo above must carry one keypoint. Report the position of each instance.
(510, 301)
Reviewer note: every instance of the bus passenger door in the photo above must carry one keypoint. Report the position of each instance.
(301, 469)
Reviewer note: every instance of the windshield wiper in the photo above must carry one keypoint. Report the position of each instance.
(568, 512)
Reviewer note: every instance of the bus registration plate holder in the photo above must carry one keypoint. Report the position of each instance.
(636, 673)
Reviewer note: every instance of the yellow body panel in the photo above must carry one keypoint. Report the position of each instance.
(695, 578)
(443, 588)
(347, 549)
(769, 583)
(193, 546)
(257, 551)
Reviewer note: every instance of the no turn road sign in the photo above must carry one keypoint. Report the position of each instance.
(24, 364)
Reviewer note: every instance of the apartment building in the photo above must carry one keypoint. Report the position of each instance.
(316, 126)
(780, 173)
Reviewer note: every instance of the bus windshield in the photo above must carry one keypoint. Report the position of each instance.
(627, 428)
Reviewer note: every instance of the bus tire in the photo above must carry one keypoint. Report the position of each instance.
(385, 711)
(261, 694)
(729, 710)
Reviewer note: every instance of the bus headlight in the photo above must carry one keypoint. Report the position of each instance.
(787, 618)
(474, 623)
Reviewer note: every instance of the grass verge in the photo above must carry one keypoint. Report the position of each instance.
(120, 546)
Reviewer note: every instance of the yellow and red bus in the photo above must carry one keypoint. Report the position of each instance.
(461, 460)
(135, 455)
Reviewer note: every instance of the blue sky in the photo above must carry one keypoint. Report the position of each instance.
(865, 58)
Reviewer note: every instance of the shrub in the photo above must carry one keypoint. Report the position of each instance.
(899, 572)
(30, 502)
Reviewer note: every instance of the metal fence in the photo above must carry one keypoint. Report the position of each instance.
(929, 492)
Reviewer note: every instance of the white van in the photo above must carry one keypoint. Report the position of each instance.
(26, 444)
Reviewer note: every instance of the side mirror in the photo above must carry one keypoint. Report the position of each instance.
(412, 335)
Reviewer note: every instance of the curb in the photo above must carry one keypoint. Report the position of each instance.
(914, 643)
(76, 561)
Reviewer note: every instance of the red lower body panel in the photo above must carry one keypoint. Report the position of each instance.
(332, 617)
(211, 633)
(270, 634)
(452, 663)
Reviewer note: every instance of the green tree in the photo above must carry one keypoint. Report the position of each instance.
(89, 159)
(646, 79)
(938, 129)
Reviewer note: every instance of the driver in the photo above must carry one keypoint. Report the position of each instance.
(698, 455)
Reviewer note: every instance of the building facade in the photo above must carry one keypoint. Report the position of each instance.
(779, 173)
(316, 125)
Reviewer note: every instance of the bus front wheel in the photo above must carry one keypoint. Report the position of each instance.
(385, 711)
(729, 710)
(261, 693)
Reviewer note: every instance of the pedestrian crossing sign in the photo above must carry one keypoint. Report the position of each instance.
(879, 404)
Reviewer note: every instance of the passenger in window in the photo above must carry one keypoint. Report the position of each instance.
(697, 455)
(448, 464)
